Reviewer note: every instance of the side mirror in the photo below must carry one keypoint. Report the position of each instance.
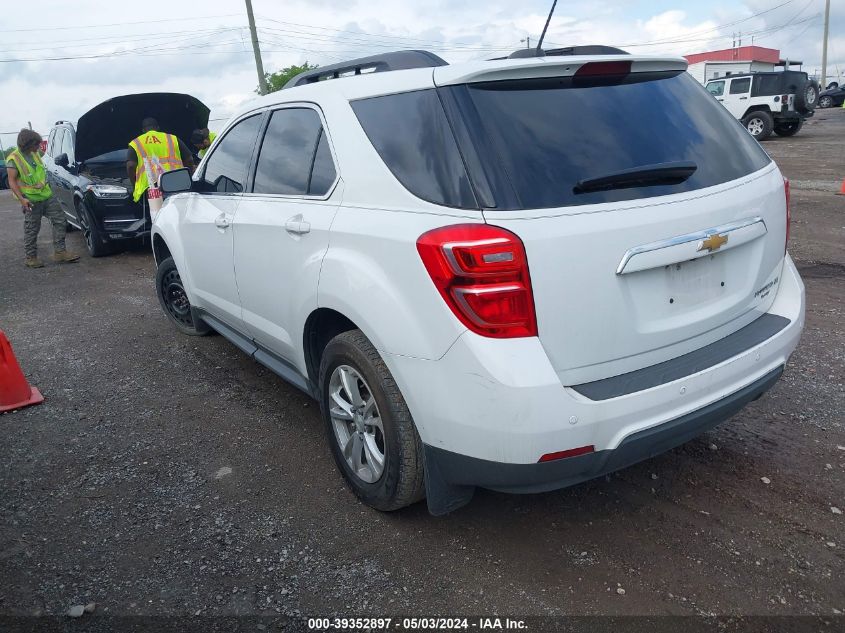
(176, 181)
(61, 160)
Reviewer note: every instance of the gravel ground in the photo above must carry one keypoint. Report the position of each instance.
(167, 475)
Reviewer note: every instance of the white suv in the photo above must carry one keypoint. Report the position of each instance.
(515, 274)
(776, 102)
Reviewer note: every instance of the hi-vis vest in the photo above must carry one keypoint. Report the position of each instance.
(211, 137)
(33, 180)
(157, 153)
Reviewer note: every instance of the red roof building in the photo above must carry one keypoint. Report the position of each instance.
(739, 54)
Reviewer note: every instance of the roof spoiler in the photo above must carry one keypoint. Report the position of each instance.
(399, 60)
(589, 49)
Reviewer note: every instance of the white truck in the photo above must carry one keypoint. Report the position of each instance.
(769, 102)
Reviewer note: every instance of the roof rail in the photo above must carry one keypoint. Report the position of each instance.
(60, 121)
(398, 60)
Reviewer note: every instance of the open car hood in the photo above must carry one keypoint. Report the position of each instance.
(112, 124)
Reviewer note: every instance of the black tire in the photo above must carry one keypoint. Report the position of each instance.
(759, 124)
(789, 129)
(90, 233)
(174, 300)
(402, 481)
(807, 96)
(826, 101)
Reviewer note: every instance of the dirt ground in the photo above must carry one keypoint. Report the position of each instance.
(167, 475)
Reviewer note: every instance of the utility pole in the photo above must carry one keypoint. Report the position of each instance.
(824, 43)
(259, 67)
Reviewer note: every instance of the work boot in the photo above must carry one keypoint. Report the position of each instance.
(63, 257)
(33, 262)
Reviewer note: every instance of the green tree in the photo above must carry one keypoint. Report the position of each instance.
(276, 81)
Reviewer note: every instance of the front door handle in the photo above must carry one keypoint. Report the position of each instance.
(297, 225)
(222, 222)
(743, 98)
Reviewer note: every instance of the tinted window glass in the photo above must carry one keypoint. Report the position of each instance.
(67, 146)
(287, 152)
(323, 174)
(549, 135)
(411, 134)
(716, 88)
(740, 86)
(767, 85)
(57, 142)
(227, 167)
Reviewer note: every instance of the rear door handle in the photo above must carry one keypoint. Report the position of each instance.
(743, 98)
(222, 222)
(297, 225)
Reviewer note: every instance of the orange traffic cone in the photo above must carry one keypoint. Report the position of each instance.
(15, 391)
(841, 191)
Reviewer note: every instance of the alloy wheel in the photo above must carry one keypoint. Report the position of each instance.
(755, 126)
(357, 424)
(825, 102)
(86, 228)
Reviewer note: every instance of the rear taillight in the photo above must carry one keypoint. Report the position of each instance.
(788, 212)
(482, 273)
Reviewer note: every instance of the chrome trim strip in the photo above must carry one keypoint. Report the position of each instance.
(684, 239)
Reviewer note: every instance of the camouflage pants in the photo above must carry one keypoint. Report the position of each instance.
(50, 209)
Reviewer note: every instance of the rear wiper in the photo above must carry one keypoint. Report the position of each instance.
(659, 174)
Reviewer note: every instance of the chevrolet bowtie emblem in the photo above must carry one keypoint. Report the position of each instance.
(713, 243)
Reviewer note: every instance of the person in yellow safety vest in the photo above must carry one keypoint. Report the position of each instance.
(154, 153)
(202, 139)
(28, 181)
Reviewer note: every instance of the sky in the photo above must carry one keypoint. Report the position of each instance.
(67, 57)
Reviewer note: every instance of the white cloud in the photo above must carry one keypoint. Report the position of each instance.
(324, 31)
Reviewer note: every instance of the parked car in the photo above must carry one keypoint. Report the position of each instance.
(485, 275)
(776, 102)
(86, 164)
(832, 97)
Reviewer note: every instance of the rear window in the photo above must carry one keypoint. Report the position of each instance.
(532, 141)
(549, 135)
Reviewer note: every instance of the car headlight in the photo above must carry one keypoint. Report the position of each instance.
(108, 191)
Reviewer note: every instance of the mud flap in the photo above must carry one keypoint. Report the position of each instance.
(442, 496)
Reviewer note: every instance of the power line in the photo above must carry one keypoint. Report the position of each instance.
(709, 30)
(118, 39)
(133, 23)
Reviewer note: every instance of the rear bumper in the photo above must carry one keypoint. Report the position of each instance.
(455, 476)
(489, 409)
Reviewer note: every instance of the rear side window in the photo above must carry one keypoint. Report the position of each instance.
(411, 134)
(740, 86)
(287, 152)
(548, 135)
(226, 169)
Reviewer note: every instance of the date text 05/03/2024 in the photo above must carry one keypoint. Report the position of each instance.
(416, 624)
